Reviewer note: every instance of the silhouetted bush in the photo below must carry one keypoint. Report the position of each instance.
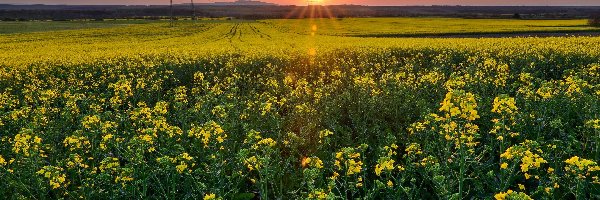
(595, 20)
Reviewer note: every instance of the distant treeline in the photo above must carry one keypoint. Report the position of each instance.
(62, 12)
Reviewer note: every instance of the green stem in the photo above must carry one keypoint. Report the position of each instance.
(462, 171)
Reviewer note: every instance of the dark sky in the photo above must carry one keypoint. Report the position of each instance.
(302, 2)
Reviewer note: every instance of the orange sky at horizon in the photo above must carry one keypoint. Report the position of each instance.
(327, 2)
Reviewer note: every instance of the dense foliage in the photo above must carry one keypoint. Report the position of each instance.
(279, 115)
(594, 21)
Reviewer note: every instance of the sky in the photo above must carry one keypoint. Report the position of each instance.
(327, 2)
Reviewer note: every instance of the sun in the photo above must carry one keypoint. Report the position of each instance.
(315, 2)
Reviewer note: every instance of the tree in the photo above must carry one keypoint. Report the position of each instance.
(594, 20)
(517, 16)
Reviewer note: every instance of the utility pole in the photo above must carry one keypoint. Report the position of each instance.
(193, 11)
(171, 12)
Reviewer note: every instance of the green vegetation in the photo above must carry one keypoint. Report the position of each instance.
(594, 21)
(242, 110)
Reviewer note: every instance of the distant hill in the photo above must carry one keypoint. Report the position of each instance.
(237, 3)
(250, 9)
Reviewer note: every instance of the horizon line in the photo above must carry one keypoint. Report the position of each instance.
(275, 4)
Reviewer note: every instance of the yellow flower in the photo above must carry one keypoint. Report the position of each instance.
(502, 195)
(580, 167)
(186, 156)
(209, 130)
(56, 178)
(384, 164)
(318, 194)
(26, 143)
(268, 142)
(521, 186)
(354, 167)
(413, 148)
(181, 167)
(312, 162)
(503, 165)
(2, 161)
(210, 196)
(323, 134)
(390, 183)
(334, 176)
(504, 104)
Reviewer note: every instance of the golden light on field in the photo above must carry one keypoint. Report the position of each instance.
(312, 52)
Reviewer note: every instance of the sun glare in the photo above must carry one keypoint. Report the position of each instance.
(315, 2)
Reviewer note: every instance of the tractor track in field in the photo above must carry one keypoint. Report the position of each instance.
(257, 31)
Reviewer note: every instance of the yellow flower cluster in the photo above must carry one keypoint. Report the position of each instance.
(123, 179)
(122, 91)
(318, 194)
(259, 140)
(413, 149)
(183, 162)
(91, 122)
(386, 161)
(594, 124)
(418, 127)
(459, 110)
(313, 162)
(582, 168)
(76, 161)
(523, 152)
(210, 130)
(459, 103)
(348, 159)
(26, 143)
(109, 164)
(105, 140)
(181, 95)
(324, 134)
(511, 195)
(386, 164)
(184, 158)
(574, 85)
(252, 163)
(55, 176)
(77, 142)
(210, 196)
(504, 105)
(2, 161)
(267, 142)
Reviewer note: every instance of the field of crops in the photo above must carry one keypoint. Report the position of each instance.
(262, 110)
(419, 27)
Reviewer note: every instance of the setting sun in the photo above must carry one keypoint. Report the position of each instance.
(315, 2)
